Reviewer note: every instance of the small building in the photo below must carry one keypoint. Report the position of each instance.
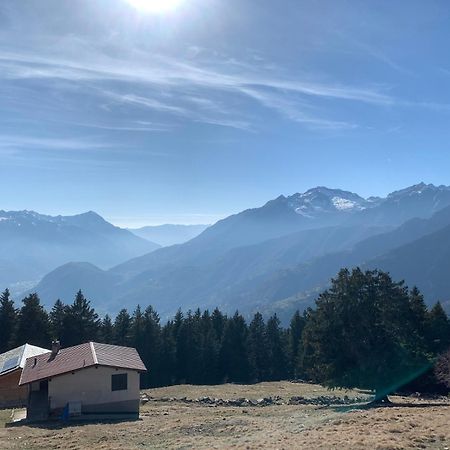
(11, 364)
(89, 379)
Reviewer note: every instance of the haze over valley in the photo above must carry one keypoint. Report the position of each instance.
(273, 258)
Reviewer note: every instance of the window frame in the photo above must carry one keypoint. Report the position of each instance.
(119, 382)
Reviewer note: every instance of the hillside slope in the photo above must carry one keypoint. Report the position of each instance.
(32, 244)
(274, 255)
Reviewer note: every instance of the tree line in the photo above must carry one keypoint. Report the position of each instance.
(365, 331)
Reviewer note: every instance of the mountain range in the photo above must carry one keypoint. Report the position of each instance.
(279, 256)
(33, 244)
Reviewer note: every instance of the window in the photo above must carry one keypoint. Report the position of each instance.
(119, 382)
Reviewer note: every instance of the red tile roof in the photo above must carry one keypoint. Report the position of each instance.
(79, 357)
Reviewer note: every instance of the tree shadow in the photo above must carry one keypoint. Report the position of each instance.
(371, 405)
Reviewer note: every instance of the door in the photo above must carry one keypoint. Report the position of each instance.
(38, 402)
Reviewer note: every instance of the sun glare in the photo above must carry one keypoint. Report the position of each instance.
(155, 6)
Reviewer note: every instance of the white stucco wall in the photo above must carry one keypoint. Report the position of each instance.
(91, 386)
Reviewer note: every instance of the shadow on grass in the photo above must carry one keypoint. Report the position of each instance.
(370, 405)
(60, 424)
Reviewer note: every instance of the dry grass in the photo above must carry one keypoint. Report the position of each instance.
(282, 389)
(5, 416)
(414, 425)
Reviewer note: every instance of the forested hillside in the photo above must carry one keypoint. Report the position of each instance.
(210, 347)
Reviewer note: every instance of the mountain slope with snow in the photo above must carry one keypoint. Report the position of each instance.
(264, 255)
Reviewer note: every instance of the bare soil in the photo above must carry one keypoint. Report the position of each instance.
(412, 423)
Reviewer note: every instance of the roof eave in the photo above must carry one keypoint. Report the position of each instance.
(81, 368)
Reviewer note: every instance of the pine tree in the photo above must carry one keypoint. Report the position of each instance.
(57, 319)
(294, 343)
(8, 321)
(186, 351)
(360, 334)
(276, 360)
(258, 351)
(218, 321)
(81, 322)
(107, 330)
(33, 324)
(234, 362)
(150, 350)
(122, 328)
(438, 329)
(168, 352)
(210, 351)
(137, 329)
(419, 313)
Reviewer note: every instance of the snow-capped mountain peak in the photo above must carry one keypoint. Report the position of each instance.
(323, 200)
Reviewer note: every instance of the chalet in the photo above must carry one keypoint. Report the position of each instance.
(11, 365)
(87, 380)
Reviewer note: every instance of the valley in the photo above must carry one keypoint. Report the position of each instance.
(277, 257)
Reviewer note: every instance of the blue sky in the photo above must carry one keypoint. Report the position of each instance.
(218, 105)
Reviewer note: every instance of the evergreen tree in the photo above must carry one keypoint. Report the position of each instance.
(137, 329)
(150, 348)
(294, 343)
(168, 352)
(33, 324)
(218, 321)
(81, 322)
(8, 321)
(418, 319)
(359, 334)
(258, 352)
(438, 329)
(122, 328)
(57, 319)
(107, 330)
(181, 356)
(188, 351)
(210, 351)
(276, 360)
(233, 353)
(195, 348)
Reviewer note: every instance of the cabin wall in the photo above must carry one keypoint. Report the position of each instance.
(92, 387)
(11, 394)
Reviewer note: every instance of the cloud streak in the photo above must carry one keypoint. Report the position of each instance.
(191, 84)
(19, 142)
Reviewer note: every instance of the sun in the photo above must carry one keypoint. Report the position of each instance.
(155, 6)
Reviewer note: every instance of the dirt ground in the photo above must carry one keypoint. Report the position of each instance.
(413, 423)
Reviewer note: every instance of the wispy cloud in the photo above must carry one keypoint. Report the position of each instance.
(141, 126)
(146, 102)
(193, 84)
(293, 112)
(18, 142)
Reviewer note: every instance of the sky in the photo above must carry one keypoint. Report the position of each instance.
(210, 107)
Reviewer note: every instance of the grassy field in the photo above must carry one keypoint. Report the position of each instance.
(412, 424)
(5, 416)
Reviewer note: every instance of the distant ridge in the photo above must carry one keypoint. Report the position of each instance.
(276, 256)
(31, 244)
